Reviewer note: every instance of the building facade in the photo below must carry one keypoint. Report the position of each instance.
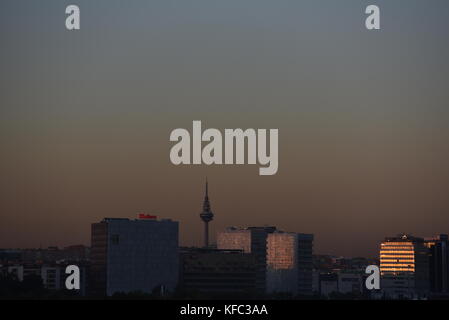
(134, 255)
(250, 240)
(344, 282)
(404, 267)
(217, 271)
(438, 264)
(289, 263)
(351, 282)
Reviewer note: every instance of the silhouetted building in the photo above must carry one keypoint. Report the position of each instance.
(250, 240)
(346, 282)
(17, 270)
(217, 271)
(45, 255)
(404, 267)
(206, 216)
(438, 263)
(328, 283)
(351, 281)
(76, 253)
(10, 256)
(289, 262)
(134, 255)
(52, 277)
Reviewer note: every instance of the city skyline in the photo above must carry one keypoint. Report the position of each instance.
(130, 256)
(86, 116)
(201, 241)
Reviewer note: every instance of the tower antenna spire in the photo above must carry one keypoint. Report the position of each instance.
(207, 215)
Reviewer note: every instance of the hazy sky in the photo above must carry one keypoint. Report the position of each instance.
(363, 117)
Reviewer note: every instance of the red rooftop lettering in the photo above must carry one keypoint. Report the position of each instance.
(146, 216)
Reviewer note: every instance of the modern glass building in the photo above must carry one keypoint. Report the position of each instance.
(134, 255)
(289, 263)
(404, 267)
(250, 240)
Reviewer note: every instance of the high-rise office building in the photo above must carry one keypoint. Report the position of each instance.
(250, 240)
(134, 255)
(404, 267)
(289, 262)
(438, 263)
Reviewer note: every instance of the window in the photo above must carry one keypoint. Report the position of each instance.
(115, 239)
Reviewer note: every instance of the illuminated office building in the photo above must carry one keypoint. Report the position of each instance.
(250, 240)
(404, 267)
(289, 263)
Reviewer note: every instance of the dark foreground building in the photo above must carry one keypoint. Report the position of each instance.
(134, 255)
(217, 271)
(250, 240)
(438, 264)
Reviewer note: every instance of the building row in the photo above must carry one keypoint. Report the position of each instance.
(283, 259)
(143, 255)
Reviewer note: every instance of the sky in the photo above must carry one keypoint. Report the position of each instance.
(363, 117)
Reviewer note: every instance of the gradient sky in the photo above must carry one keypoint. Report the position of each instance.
(363, 117)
